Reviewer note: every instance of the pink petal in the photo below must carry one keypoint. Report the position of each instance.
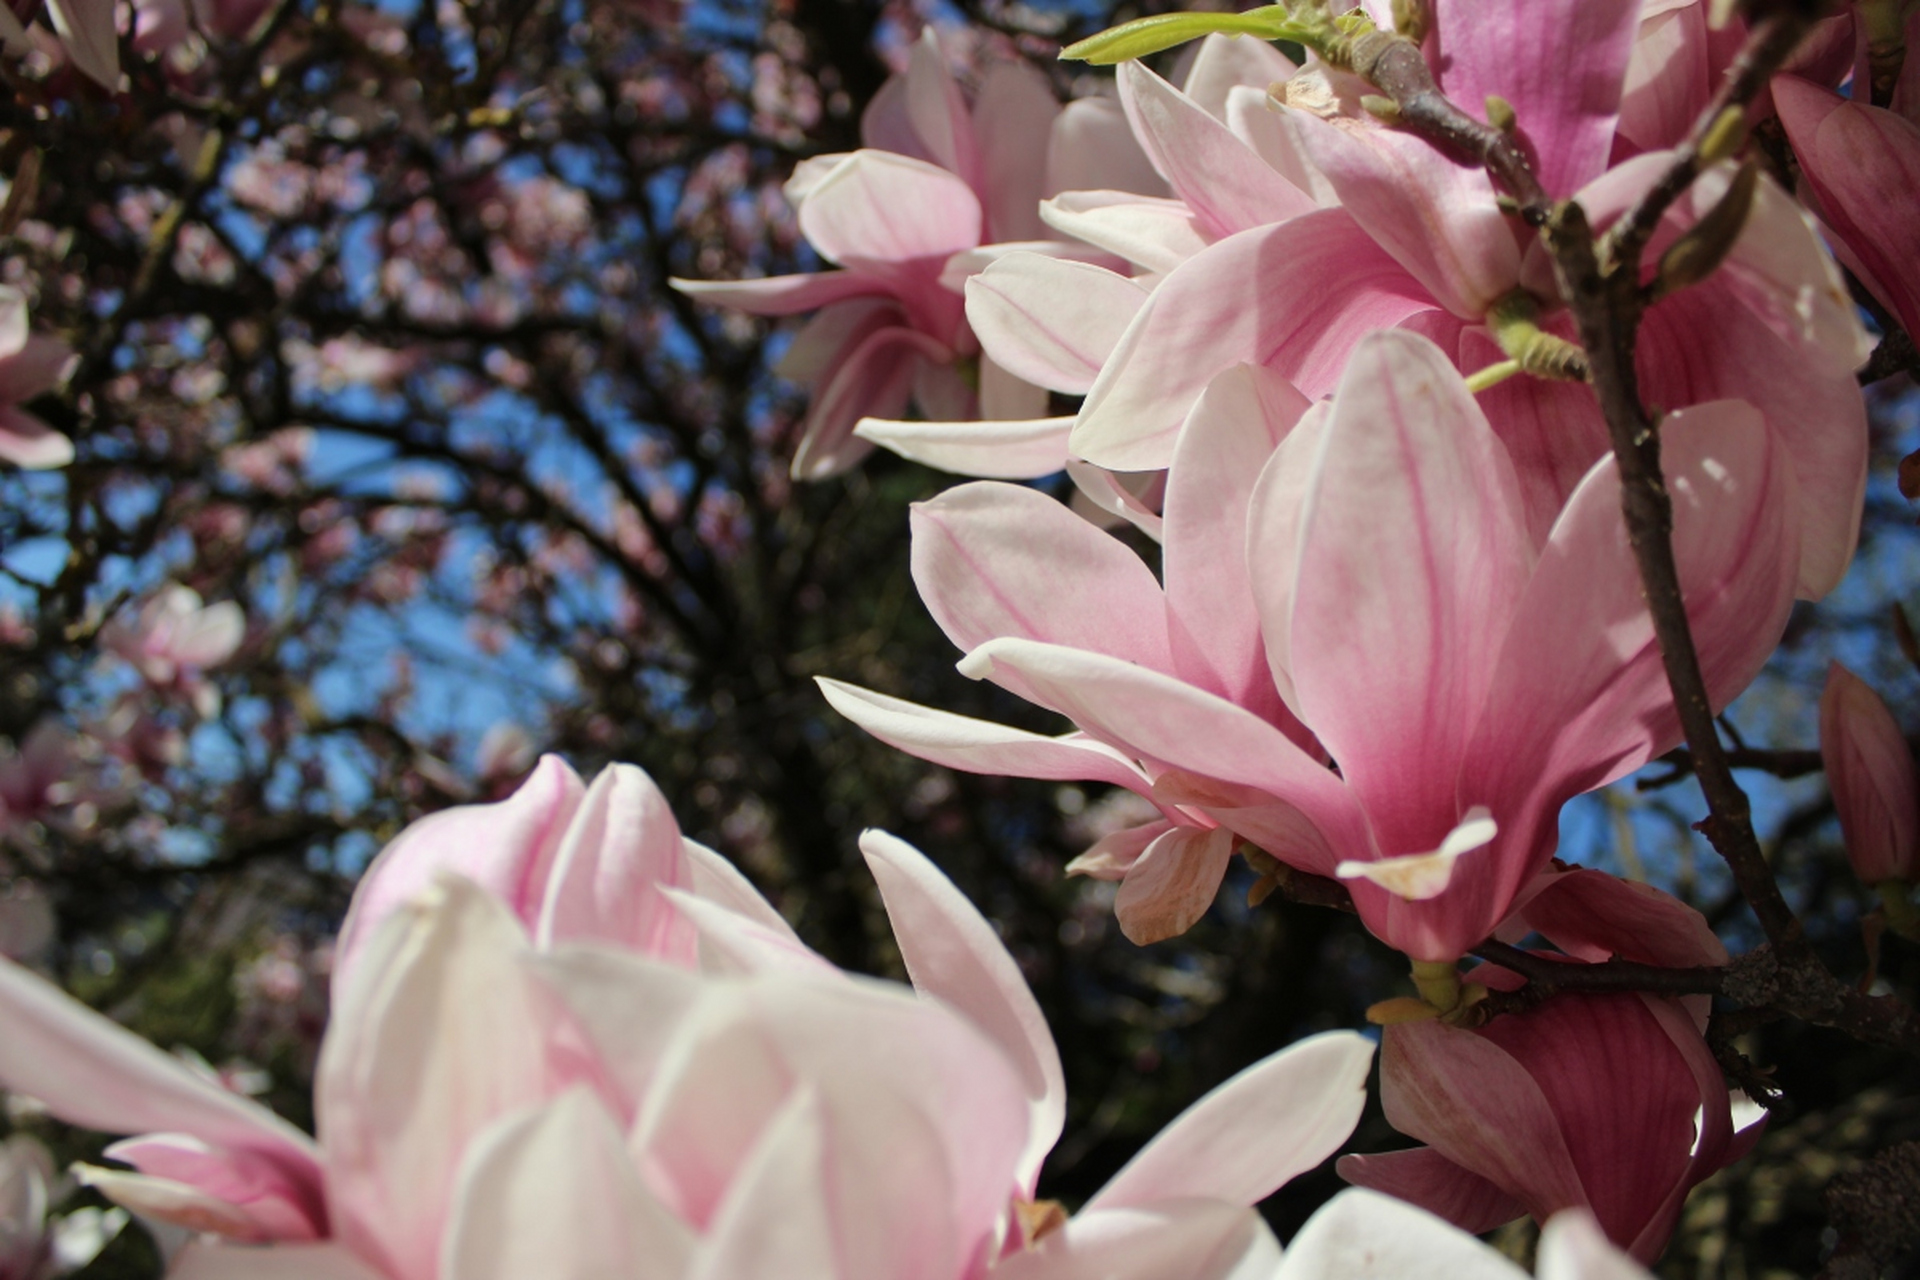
(439, 1032)
(1594, 916)
(1218, 176)
(621, 849)
(1561, 64)
(1224, 63)
(1713, 1142)
(1050, 320)
(266, 1203)
(783, 295)
(93, 1073)
(1413, 555)
(1669, 77)
(507, 847)
(1438, 219)
(1012, 121)
(1253, 1134)
(1213, 621)
(1424, 1177)
(872, 379)
(565, 1163)
(720, 882)
(877, 207)
(953, 954)
(1172, 725)
(31, 444)
(1695, 348)
(1172, 883)
(1294, 298)
(1113, 498)
(978, 746)
(1001, 450)
(1361, 1233)
(1582, 697)
(774, 1223)
(1154, 233)
(1275, 513)
(629, 1009)
(1870, 769)
(924, 1136)
(1092, 148)
(1623, 1098)
(1863, 164)
(1474, 1103)
(735, 944)
(1112, 855)
(993, 559)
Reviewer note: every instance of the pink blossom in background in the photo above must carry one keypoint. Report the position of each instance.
(908, 218)
(34, 773)
(669, 1074)
(1366, 571)
(30, 365)
(1870, 769)
(173, 638)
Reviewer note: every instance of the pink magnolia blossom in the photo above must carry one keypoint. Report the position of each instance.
(1468, 676)
(1381, 230)
(538, 1071)
(906, 218)
(34, 775)
(1607, 1102)
(30, 365)
(1861, 164)
(174, 638)
(1870, 769)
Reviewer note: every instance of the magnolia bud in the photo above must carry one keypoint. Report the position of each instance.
(1870, 769)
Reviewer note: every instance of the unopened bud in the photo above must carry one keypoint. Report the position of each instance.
(1385, 110)
(1870, 771)
(1500, 114)
(1695, 255)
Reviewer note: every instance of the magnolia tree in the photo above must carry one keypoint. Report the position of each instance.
(1396, 436)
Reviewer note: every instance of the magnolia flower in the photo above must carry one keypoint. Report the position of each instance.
(174, 637)
(1870, 769)
(906, 218)
(1380, 585)
(1611, 1103)
(34, 774)
(1353, 226)
(604, 1054)
(30, 365)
